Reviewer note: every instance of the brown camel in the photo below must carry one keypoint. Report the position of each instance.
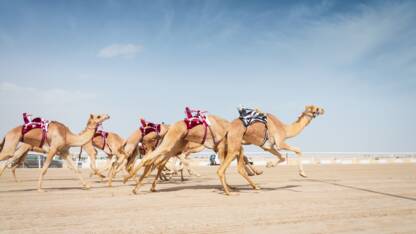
(58, 140)
(276, 134)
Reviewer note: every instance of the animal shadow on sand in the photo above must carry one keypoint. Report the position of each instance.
(219, 188)
(60, 189)
(362, 189)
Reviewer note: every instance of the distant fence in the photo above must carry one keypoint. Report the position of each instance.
(261, 158)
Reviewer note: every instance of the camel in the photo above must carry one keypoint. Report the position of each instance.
(115, 145)
(212, 137)
(58, 139)
(270, 137)
(151, 141)
(112, 145)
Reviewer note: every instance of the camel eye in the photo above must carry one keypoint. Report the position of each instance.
(99, 116)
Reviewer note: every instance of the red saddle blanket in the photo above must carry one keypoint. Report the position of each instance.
(102, 134)
(30, 124)
(195, 118)
(148, 127)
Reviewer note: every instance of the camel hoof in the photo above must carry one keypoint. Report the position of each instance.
(41, 190)
(256, 188)
(134, 192)
(198, 175)
(153, 190)
(87, 186)
(259, 172)
(301, 173)
(269, 164)
(126, 178)
(231, 187)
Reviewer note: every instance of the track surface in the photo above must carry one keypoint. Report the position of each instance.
(334, 199)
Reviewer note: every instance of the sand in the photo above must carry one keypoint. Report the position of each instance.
(334, 199)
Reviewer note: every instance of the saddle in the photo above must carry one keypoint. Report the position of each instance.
(30, 124)
(148, 127)
(103, 134)
(248, 116)
(195, 118)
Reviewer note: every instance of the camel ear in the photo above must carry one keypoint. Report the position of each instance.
(91, 116)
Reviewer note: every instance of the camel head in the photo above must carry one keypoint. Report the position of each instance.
(314, 111)
(97, 119)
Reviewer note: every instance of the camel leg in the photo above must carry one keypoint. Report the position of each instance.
(112, 170)
(18, 154)
(251, 169)
(299, 156)
(145, 161)
(182, 179)
(222, 169)
(186, 165)
(72, 167)
(242, 171)
(92, 153)
(221, 156)
(18, 163)
(139, 182)
(159, 171)
(276, 153)
(10, 142)
(45, 167)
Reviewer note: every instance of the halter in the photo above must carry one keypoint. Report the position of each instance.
(309, 114)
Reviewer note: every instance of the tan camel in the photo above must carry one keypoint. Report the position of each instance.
(152, 140)
(113, 146)
(58, 141)
(276, 135)
(175, 142)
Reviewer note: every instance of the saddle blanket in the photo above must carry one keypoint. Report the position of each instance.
(248, 116)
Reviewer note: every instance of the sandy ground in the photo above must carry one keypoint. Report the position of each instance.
(334, 199)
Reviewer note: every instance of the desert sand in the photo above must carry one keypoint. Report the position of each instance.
(334, 199)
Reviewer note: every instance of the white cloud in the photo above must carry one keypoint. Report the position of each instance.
(12, 93)
(120, 50)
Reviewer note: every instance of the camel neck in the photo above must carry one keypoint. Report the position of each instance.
(297, 127)
(132, 142)
(83, 137)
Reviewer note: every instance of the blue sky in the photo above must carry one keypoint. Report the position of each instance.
(357, 59)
